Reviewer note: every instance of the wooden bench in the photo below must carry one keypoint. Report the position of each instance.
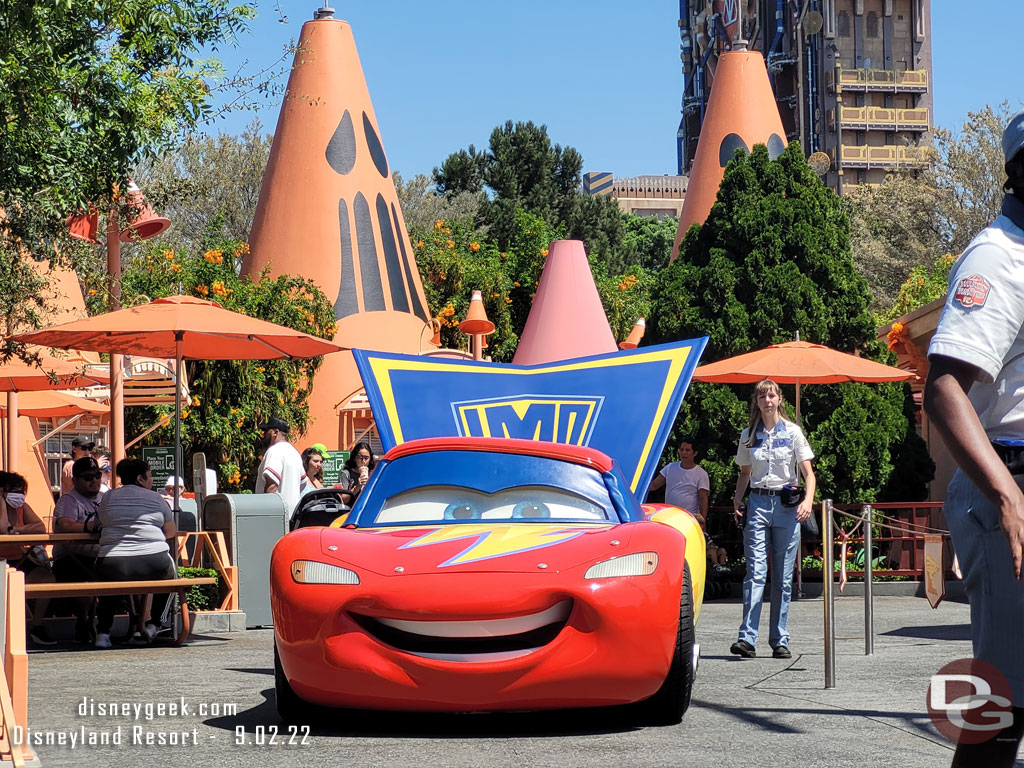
(104, 588)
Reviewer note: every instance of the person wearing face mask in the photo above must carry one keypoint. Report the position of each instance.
(17, 517)
(136, 524)
(281, 470)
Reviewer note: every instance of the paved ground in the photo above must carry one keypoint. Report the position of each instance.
(745, 712)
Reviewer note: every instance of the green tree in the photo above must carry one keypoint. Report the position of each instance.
(87, 88)
(906, 221)
(229, 398)
(773, 259)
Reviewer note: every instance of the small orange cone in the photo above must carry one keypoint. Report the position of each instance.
(633, 340)
(85, 226)
(741, 113)
(476, 317)
(146, 224)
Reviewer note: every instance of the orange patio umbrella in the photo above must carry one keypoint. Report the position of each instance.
(43, 405)
(51, 373)
(181, 327)
(798, 362)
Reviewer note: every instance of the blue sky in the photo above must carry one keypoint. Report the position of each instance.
(603, 75)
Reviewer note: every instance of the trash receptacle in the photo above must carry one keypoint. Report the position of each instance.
(251, 524)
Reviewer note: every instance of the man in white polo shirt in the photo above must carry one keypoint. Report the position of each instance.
(974, 397)
(281, 470)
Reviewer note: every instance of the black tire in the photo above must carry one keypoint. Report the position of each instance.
(669, 704)
(290, 707)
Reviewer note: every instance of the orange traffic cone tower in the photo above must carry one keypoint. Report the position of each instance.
(328, 211)
(741, 113)
(567, 319)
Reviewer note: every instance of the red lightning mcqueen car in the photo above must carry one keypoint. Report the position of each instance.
(478, 574)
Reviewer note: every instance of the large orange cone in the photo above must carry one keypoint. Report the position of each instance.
(741, 113)
(328, 211)
(567, 319)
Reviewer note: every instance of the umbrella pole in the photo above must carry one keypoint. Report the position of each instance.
(12, 431)
(177, 421)
(798, 402)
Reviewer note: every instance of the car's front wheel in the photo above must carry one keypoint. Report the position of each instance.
(667, 706)
(290, 707)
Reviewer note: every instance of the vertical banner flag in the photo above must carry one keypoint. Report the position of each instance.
(622, 403)
(934, 579)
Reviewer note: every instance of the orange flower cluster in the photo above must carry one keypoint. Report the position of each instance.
(242, 249)
(175, 267)
(419, 244)
(217, 286)
(438, 223)
(628, 282)
(168, 254)
(451, 243)
(235, 478)
(544, 252)
(214, 256)
(474, 247)
(203, 290)
(92, 291)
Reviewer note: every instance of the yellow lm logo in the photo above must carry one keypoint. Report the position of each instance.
(567, 419)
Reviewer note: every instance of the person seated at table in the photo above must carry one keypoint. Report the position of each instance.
(17, 517)
(358, 468)
(74, 560)
(136, 524)
(313, 463)
(168, 492)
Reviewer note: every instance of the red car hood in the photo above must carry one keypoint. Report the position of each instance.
(499, 547)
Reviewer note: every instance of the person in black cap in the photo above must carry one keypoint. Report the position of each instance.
(974, 397)
(73, 560)
(80, 448)
(281, 470)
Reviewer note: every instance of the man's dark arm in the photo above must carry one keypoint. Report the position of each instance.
(953, 416)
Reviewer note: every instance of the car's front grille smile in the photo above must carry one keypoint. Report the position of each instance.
(475, 640)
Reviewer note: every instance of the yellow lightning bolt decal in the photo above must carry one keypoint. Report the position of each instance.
(496, 540)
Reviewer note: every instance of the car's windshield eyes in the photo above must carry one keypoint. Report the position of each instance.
(446, 503)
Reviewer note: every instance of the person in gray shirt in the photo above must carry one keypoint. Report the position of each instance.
(133, 544)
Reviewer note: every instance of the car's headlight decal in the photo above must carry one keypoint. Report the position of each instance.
(637, 564)
(312, 572)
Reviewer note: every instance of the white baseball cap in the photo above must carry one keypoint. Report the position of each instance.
(173, 480)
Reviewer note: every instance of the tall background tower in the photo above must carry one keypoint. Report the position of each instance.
(852, 78)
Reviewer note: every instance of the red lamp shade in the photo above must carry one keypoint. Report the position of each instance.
(633, 340)
(147, 224)
(85, 226)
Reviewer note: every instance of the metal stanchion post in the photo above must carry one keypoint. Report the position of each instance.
(869, 616)
(827, 578)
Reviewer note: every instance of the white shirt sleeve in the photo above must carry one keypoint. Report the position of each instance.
(801, 448)
(984, 308)
(743, 451)
(273, 468)
(704, 484)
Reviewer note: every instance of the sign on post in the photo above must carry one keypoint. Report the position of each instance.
(161, 460)
(334, 462)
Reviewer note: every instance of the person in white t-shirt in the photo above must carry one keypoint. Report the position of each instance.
(686, 483)
(281, 470)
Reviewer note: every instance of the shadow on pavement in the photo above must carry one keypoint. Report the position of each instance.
(420, 725)
(934, 632)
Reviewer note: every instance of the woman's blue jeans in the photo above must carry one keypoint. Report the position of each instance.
(771, 527)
